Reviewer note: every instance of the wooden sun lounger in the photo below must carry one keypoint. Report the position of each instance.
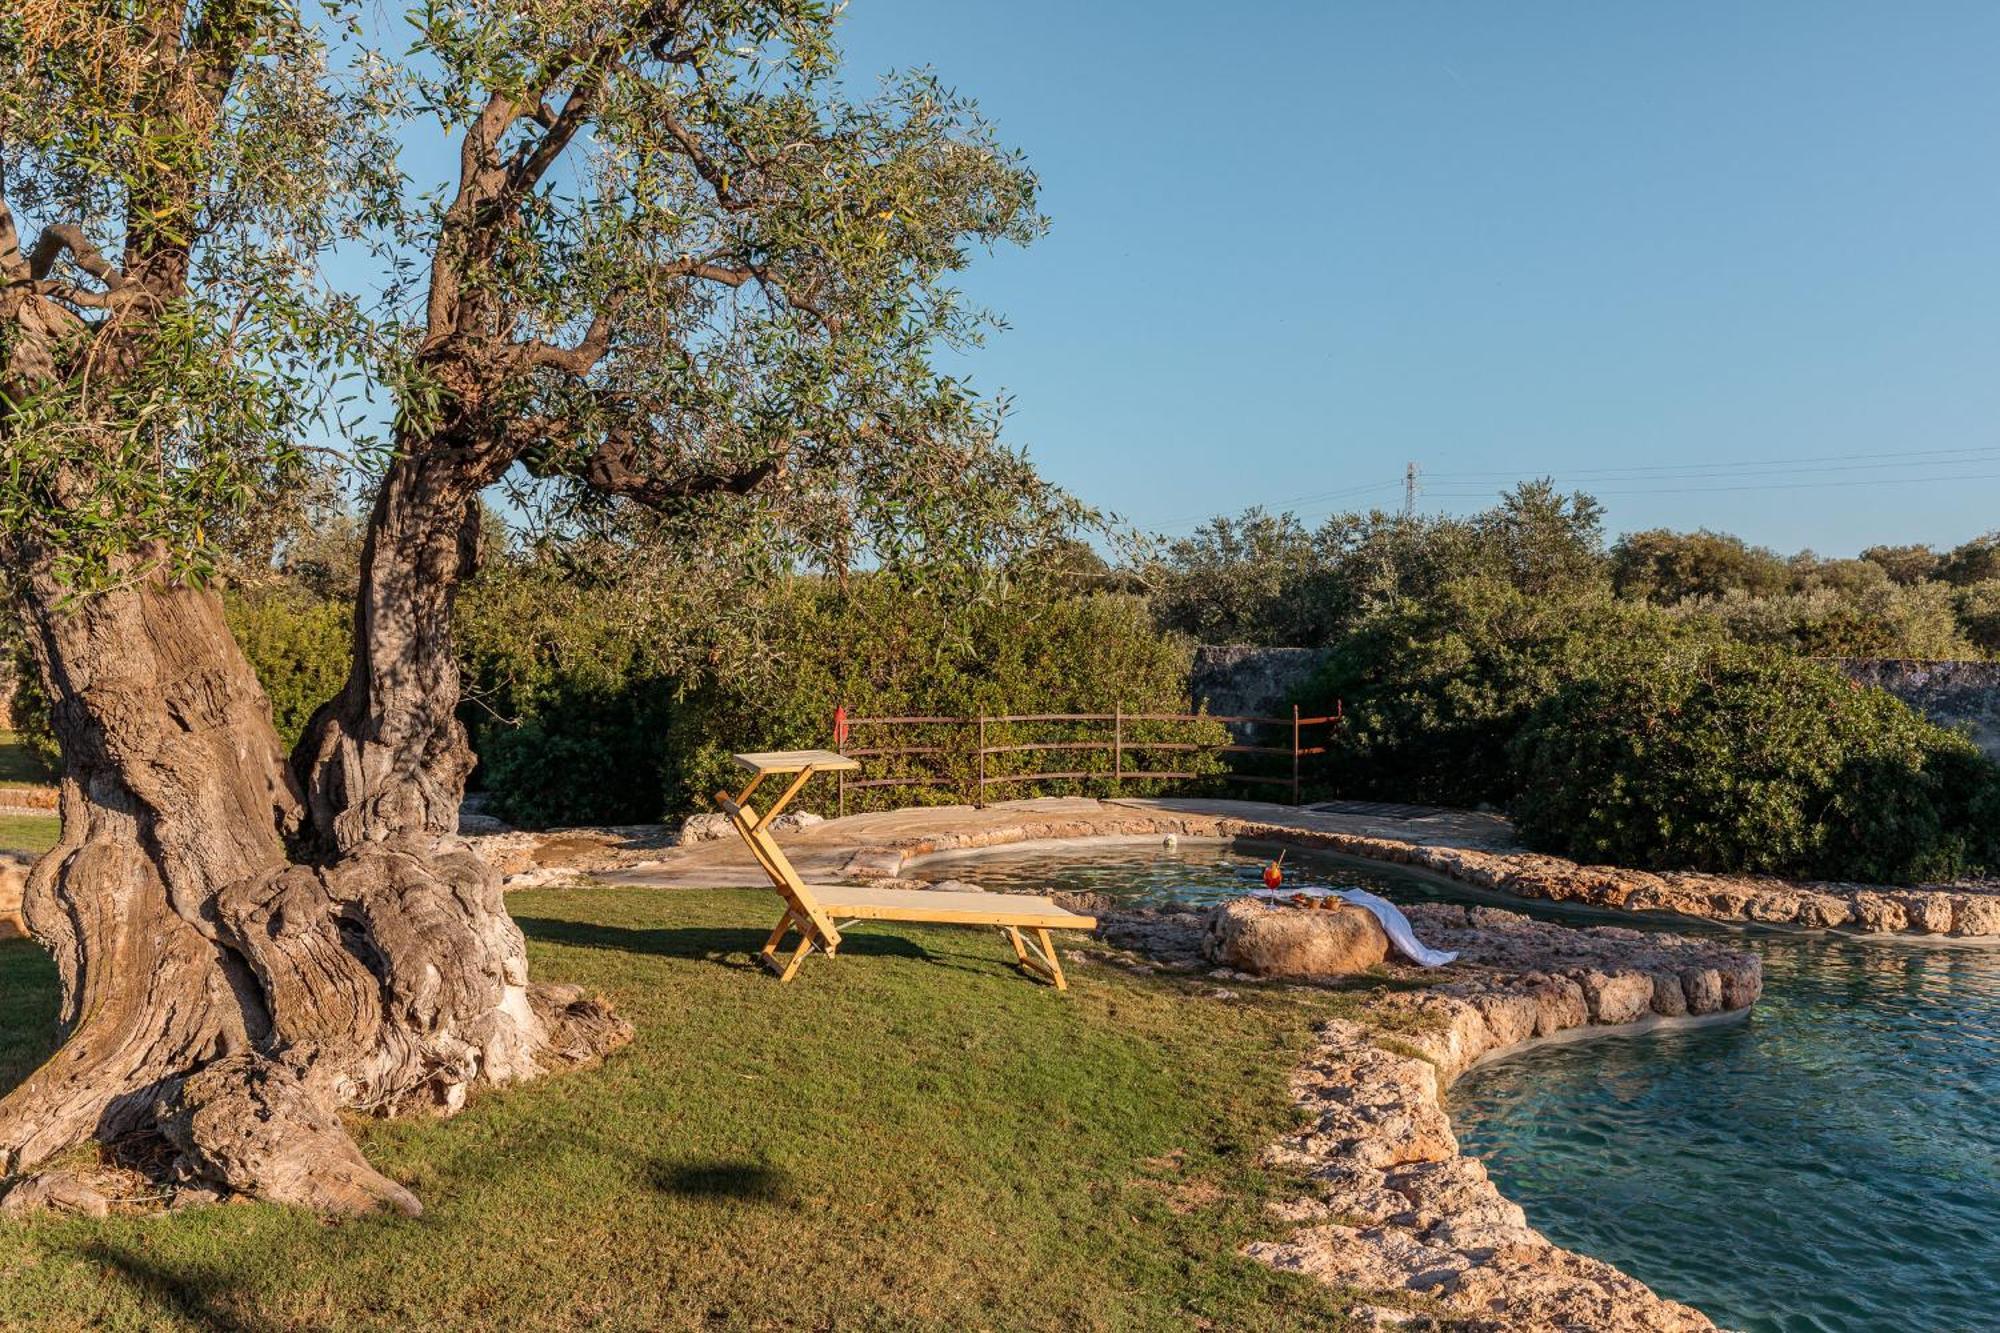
(811, 911)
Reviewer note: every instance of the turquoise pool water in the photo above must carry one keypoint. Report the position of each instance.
(1832, 1163)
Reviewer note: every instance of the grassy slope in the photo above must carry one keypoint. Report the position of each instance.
(24, 833)
(909, 1136)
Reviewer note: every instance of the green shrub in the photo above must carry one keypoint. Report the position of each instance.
(1666, 567)
(563, 704)
(1265, 579)
(1866, 617)
(299, 645)
(884, 650)
(1717, 756)
(30, 709)
(1434, 691)
(1979, 614)
(581, 758)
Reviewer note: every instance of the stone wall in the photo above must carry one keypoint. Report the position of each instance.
(1952, 694)
(1243, 680)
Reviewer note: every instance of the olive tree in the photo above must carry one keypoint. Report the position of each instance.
(677, 265)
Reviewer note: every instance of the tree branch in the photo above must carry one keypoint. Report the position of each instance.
(611, 469)
(532, 161)
(580, 357)
(490, 190)
(616, 466)
(68, 236)
(706, 167)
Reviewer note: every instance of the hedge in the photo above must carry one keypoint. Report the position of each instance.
(1720, 756)
(885, 651)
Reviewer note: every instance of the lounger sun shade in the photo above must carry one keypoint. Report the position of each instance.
(812, 911)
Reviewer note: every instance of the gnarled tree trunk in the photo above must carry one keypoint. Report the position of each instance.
(248, 947)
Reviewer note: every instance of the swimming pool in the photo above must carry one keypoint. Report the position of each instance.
(1833, 1163)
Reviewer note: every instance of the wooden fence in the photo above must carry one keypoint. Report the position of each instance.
(960, 752)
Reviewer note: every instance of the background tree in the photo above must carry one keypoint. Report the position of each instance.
(676, 266)
(1666, 567)
(1976, 561)
(1913, 563)
(1266, 579)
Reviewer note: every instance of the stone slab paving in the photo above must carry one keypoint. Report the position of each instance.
(829, 851)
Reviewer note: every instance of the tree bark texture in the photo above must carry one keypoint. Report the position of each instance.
(250, 944)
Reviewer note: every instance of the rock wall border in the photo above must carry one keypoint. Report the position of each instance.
(1962, 915)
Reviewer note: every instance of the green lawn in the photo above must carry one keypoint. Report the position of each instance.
(20, 764)
(908, 1137)
(24, 833)
(28, 833)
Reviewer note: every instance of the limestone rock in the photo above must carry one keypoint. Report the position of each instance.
(1975, 914)
(1277, 940)
(1173, 937)
(873, 863)
(1618, 997)
(1928, 913)
(1085, 902)
(705, 828)
(793, 821)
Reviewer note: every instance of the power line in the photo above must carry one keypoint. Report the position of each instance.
(1725, 472)
(1766, 486)
(1820, 463)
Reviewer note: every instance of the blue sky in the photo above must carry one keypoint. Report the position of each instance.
(1700, 258)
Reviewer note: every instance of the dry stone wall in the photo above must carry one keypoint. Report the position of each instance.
(1243, 680)
(1952, 694)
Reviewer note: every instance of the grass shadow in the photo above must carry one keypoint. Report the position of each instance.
(749, 1182)
(202, 1301)
(734, 948)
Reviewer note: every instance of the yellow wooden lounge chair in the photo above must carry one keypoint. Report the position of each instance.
(812, 911)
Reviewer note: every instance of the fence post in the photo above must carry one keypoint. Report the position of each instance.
(1117, 748)
(1295, 754)
(979, 802)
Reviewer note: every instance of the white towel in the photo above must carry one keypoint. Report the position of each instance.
(1394, 924)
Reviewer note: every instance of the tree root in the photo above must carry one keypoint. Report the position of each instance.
(577, 1029)
(269, 1131)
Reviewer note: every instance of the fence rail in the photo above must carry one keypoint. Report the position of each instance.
(977, 776)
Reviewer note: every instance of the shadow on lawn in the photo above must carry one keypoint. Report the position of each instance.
(751, 1182)
(197, 1297)
(728, 946)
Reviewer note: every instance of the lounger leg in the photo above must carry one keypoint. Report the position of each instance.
(768, 955)
(1037, 959)
(1055, 966)
(799, 956)
(784, 924)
